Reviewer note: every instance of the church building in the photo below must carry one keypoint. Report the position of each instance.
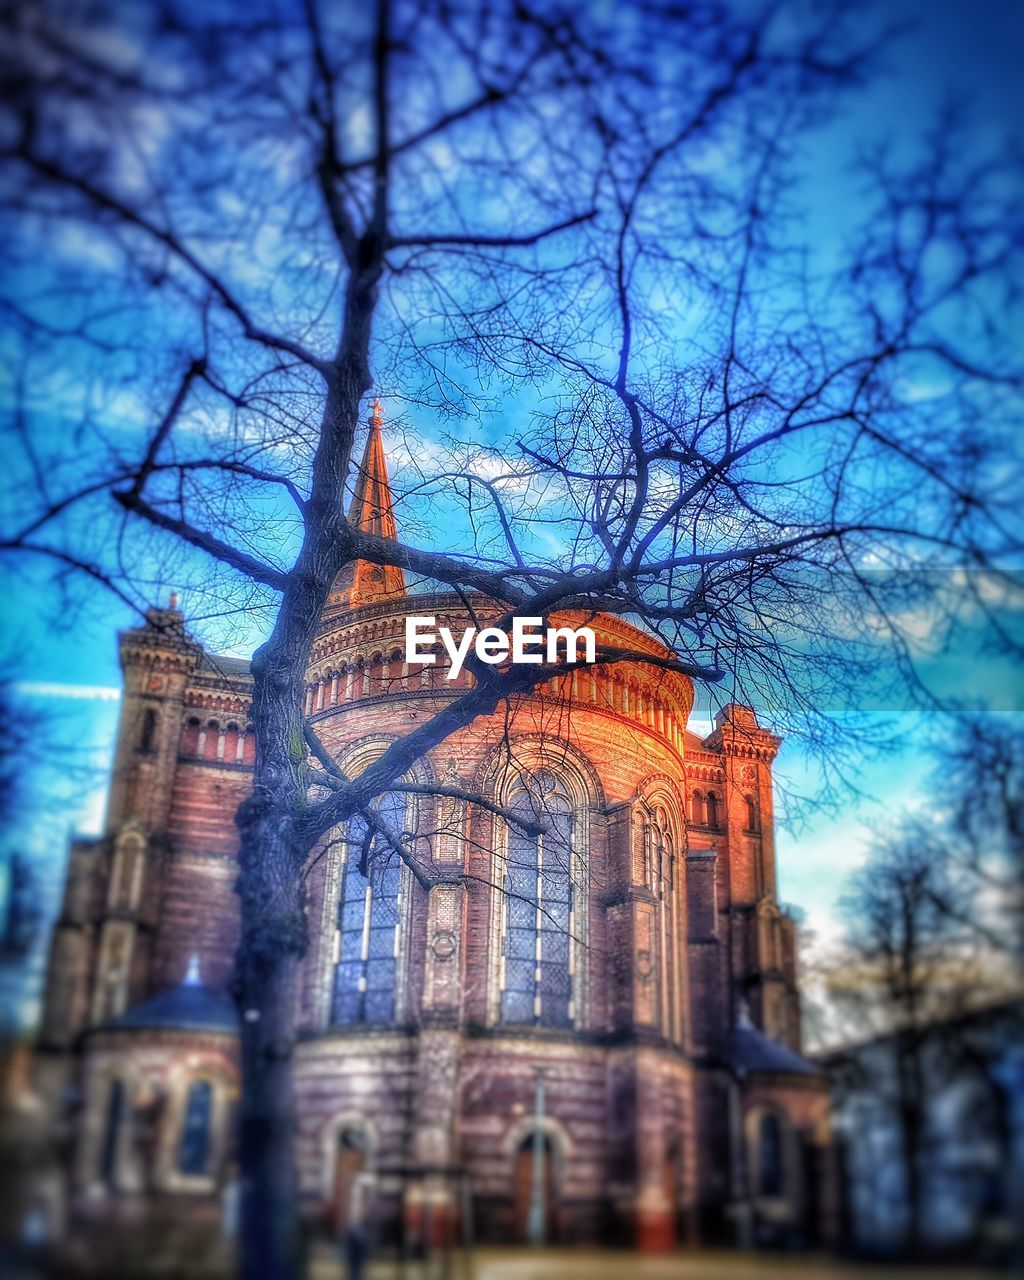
(591, 1034)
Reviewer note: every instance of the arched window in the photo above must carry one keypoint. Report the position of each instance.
(648, 853)
(368, 921)
(128, 852)
(112, 1133)
(752, 824)
(770, 1173)
(697, 808)
(712, 809)
(537, 982)
(190, 737)
(194, 1143)
(662, 882)
(659, 836)
(147, 738)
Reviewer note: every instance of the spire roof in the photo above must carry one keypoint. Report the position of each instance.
(372, 511)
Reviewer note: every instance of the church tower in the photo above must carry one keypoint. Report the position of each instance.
(372, 511)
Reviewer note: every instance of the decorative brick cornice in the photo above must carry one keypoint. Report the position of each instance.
(217, 699)
(704, 772)
(741, 744)
(737, 734)
(162, 644)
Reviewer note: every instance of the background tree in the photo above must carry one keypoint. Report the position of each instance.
(980, 777)
(933, 934)
(904, 975)
(226, 227)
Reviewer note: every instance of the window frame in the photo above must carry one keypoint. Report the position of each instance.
(579, 916)
(401, 929)
(320, 1001)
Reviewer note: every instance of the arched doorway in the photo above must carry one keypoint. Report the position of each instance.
(524, 1186)
(775, 1176)
(350, 1153)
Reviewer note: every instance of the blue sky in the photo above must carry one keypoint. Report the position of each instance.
(69, 672)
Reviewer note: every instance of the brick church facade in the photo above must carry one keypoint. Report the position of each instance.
(633, 957)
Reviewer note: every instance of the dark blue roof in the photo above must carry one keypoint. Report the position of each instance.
(751, 1051)
(190, 1006)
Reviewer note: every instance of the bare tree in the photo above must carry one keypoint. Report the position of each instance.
(933, 935)
(226, 229)
(980, 774)
(903, 975)
(15, 745)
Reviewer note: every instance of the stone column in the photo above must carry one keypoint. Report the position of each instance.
(431, 1198)
(654, 1214)
(431, 1204)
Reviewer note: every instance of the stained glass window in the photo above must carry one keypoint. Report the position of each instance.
(368, 922)
(537, 985)
(194, 1145)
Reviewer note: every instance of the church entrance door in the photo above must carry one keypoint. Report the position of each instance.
(524, 1191)
(349, 1163)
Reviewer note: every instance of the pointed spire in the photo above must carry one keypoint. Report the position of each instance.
(372, 511)
(372, 508)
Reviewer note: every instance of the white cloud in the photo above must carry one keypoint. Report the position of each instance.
(76, 692)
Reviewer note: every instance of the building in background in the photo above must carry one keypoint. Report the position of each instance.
(971, 1119)
(652, 988)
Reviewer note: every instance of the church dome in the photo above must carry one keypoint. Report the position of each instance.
(189, 1006)
(359, 651)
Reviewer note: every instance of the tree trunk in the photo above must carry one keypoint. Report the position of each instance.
(273, 852)
(266, 986)
(269, 1243)
(273, 941)
(272, 855)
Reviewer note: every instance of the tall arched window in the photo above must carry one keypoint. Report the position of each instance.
(658, 838)
(751, 803)
(194, 1143)
(147, 738)
(112, 1133)
(712, 803)
(368, 921)
(128, 852)
(537, 946)
(697, 808)
(770, 1175)
(659, 835)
